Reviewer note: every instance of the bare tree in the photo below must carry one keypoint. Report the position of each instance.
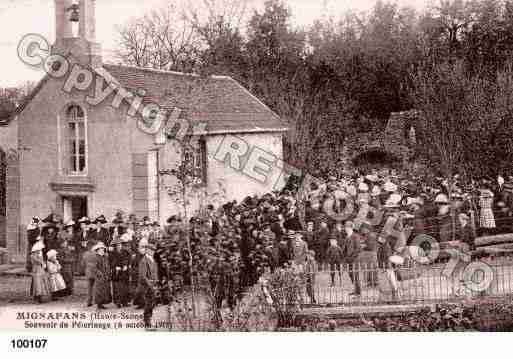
(207, 17)
(161, 39)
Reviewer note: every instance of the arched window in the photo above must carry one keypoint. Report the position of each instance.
(76, 138)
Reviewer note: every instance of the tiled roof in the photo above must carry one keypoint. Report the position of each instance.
(219, 101)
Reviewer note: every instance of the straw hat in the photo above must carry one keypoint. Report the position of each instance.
(390, 187)
(84, 220)
(393, 200)
(125, 238)
(70, 223)
(116, 241)
(441, 199)
(395, 259)
(372, 178)
(98, 246)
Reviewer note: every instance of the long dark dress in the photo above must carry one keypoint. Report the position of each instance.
(67, 260)
(32, 234)
(102, 293)
(120, 269)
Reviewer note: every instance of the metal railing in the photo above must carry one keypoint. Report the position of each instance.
(409, 283)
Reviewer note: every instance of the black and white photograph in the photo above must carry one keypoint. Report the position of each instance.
(255, 166)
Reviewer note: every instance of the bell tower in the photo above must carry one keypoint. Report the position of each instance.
(82, 47)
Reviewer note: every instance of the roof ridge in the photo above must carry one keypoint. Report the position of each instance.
(168, 72)
(254, 97)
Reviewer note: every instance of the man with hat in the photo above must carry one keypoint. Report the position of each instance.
(67, 256)
(102, 293)
(147, 281)
(323, 239)
(352, 246)
(466, 233)
(117, 229)
(120, 269)
(80, 244)
(444, 218)
(88, 263)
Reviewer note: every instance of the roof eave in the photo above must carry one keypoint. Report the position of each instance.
(240, 131)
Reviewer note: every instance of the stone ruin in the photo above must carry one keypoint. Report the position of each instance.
(392, 146)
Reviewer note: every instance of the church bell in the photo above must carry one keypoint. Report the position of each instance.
(74, 16)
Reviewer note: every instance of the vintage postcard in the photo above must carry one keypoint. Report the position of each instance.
(255, 165)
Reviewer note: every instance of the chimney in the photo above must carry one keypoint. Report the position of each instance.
(63, 27)
(87, 24)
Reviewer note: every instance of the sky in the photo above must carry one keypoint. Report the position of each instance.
(20, 17)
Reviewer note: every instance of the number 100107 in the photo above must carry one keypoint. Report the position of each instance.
(29, 343)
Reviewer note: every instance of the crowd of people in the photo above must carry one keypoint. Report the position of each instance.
(131, 261)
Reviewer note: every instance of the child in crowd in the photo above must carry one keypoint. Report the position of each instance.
(39, 284)
(56, 281)
(334, 257)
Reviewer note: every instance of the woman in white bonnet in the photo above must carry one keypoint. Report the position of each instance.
(39, 285)
(56, 281)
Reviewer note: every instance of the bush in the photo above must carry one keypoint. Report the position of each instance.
(284, 289)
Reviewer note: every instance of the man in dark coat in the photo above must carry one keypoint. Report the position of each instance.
(66, 256)
(120, 270)
(91, 235)
(80, 244)
(334, 257)
(309, 236)
(339, 234)
(277, 227)
(323, 238)
(352, 247)
(102, 292)
(147, 282)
